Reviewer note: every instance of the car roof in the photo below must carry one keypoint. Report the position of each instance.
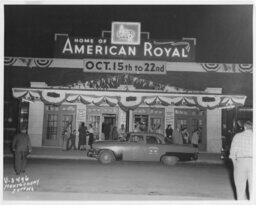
(148, 133)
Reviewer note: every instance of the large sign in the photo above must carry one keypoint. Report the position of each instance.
(125, 43)
(127, 66)
(79, 47)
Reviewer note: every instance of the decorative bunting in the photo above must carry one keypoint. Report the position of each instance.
(43, 63)
(130, 105)
(245, 68)
(211, 67)
(111, 101)
(9, 60)
(208, 104)
(129, 102)
(229, 101)
(78, 99)
(48, 97)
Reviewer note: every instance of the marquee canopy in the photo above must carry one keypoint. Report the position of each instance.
(128, 100)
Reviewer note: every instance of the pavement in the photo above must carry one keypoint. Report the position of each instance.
(89, 197)
(57, 153)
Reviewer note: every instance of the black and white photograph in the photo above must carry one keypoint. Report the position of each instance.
(127, 102)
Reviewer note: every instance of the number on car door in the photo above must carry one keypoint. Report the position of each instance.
(152, 151)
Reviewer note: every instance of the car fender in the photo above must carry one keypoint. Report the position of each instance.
(117, 155)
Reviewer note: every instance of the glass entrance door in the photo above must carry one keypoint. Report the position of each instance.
(56, 119)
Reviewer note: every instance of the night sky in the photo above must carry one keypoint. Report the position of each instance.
(224, 33)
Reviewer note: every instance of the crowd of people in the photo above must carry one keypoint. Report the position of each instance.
(85, 137)
(181, 136)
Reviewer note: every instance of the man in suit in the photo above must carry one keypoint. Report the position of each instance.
(21, 146)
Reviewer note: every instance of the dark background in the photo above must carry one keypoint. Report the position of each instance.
(223, 32)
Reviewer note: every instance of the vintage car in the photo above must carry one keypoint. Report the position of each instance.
(142, 147)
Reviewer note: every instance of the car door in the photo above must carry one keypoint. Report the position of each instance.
(134, 148)
(152, 151)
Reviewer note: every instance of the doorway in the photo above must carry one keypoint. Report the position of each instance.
(109, 122)
(56, 119)
(190, 120)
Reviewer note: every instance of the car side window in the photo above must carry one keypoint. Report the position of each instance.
(136, 138)
(152, 140)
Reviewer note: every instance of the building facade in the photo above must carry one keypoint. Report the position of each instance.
(127, 80)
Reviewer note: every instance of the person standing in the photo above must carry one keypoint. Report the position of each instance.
(82, 136)
(122, 132)
(185, 136)
(241, 156)
(114, 133)
(169, 131)
(103, 127)
(137, 127)
(21, 146)
(177, 137)
(72, 140)
(90, 131)
(65, 136)
(195, 138)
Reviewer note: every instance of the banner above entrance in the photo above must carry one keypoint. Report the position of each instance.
(122, 99)
(126, 42)
(127, 66)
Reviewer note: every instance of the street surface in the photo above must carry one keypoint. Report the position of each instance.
(89, 180)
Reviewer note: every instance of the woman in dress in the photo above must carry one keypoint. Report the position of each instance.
(91, 135)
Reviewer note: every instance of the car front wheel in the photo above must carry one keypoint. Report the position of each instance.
(106, 157)
(169, 160)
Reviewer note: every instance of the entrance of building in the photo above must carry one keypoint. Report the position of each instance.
(192, 120)
(56, 119)
(109, 122)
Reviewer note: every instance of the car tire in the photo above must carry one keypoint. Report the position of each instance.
(106, 157)
(169, 160)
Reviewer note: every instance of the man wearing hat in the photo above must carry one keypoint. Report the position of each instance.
(241, 155)
(21, 146)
